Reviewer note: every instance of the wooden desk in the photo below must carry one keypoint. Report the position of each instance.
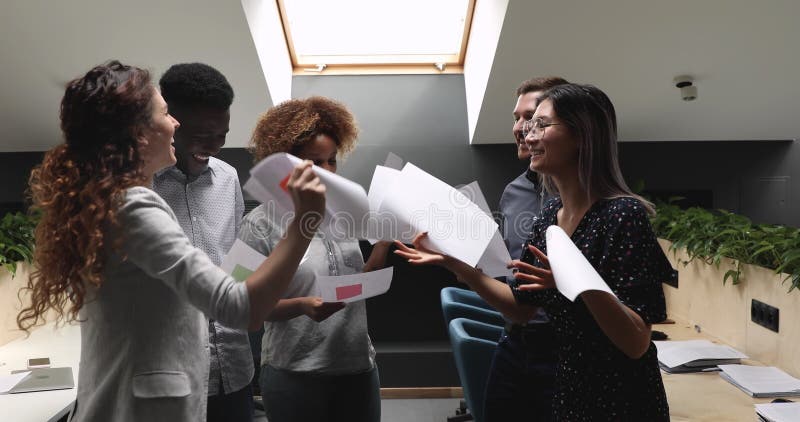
(705, 396)
(63, 347)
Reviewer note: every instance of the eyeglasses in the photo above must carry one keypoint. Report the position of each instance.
(535, 127)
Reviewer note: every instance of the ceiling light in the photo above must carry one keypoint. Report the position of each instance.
(688, 90)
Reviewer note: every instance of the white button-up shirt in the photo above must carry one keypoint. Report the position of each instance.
(209, 209)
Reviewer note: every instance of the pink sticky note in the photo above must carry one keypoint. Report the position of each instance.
(346, 292)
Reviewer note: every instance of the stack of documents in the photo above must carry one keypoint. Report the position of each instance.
(695, 355)
(778, 412)
(761, 381)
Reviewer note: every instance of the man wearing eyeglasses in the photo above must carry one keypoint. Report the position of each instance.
(520, 384)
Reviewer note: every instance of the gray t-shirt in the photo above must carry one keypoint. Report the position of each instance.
(337, 345)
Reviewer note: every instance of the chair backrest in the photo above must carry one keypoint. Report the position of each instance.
(473, 344)
(462, 303)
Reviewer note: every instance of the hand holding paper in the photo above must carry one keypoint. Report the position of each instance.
(353, 287)
(268, 184)
(319, 310)
(572, 274)
(420, 255)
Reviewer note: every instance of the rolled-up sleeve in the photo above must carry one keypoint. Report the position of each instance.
(154, 242)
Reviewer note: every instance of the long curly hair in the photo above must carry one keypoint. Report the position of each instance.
(290, 125)
(80, 185)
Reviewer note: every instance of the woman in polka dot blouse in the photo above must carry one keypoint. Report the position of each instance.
(607, 367)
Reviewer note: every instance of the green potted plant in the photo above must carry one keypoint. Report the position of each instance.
(16, 240)
(710, 236)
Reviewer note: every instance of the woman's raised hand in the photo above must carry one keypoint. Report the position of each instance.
(534, 278)
(419, 255)
(308, 195)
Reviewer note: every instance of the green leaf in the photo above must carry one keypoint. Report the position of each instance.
(733, 275)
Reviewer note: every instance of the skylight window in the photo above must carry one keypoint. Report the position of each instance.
(376, 36)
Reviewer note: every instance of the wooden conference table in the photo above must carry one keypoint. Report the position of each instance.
(705, 396)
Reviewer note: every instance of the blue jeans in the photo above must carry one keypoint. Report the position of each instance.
(301, 397)
(236, 406)
(521, 379)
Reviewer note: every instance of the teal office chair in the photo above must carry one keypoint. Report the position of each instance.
(475, 328)
(463, 303)
(473, 344)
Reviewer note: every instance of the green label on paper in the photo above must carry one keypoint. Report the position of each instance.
(240, 273)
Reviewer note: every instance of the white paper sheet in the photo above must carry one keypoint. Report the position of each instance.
(8, 382)
(495, 258)
(346, 203)
(761, 380)
(383, 180)
(350, 288)
(455, 225)
(242, 260)
(571, 270)
(383, 226)
(258, 192)
(393, 161)
(675, 353)
(779, 412)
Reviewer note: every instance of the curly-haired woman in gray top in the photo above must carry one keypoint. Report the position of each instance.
(110, 253)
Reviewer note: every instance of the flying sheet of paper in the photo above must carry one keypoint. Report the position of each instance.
(350, 288)
(8, 382)
(254, 188)
(382, 181)
(572, 272)
(242, 260)
(455, 225)
(393, 161)
(346, 203)
(383, 225)
(494, 260)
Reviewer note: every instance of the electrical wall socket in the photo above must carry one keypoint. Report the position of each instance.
(764, 315)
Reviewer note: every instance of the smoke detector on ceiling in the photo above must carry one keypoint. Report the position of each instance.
(688, 90)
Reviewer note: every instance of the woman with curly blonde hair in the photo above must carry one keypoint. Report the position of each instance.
(318, 363)
(111, 254)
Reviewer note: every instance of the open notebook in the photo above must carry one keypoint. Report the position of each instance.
(44, 379)
(778, 412)
(695, 355)
(761, 381)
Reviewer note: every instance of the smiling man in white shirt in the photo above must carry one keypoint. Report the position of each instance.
(206, 196)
